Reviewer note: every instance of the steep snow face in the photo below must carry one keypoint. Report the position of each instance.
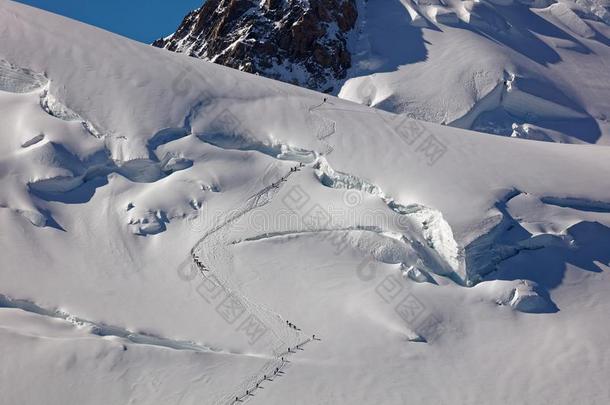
(175, 231)
(528, 69)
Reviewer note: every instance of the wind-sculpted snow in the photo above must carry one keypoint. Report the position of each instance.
(541, 41)
(59, 168)
(418, 252)
(517, 101)
(503, 240)
(519, 230)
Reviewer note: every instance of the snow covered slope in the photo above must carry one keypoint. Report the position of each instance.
(535, 69)
(179, 232)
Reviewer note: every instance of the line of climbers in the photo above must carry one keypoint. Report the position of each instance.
(199, 264)
(285, 178)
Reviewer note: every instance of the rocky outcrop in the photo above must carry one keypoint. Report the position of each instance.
(298, 41)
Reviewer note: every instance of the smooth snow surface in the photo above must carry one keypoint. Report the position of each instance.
(176, 232)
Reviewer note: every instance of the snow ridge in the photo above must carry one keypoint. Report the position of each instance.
(103, 330)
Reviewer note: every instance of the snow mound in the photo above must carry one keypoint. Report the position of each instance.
(148, 223)
(525, 298)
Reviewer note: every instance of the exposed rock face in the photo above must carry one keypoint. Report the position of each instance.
(299, 41)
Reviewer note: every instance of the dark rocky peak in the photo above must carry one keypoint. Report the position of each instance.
(298, 41)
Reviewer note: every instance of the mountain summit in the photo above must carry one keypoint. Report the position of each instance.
(520, 68)
(297, 41)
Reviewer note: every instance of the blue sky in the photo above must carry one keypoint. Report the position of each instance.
(142, 20)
